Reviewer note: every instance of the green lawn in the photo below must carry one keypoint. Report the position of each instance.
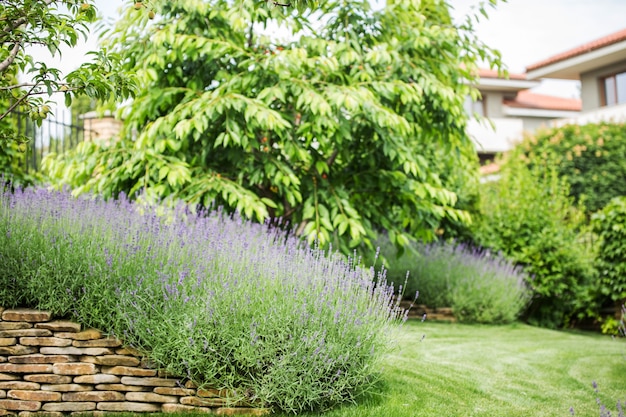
(515, 370)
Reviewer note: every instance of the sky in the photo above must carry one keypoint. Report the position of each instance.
(524, 31)
(528, 31)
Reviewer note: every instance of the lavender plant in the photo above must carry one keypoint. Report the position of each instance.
(621, 405)
(224, 302)
(480, 286)
(603, 409)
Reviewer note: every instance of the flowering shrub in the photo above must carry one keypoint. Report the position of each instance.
(228, 303)
(480, 286)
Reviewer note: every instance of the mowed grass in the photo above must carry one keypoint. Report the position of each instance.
(481, 370)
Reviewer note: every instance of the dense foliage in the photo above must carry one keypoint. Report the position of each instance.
(53, 24)
(353, 126)
(528, 216)
(591, 158)
(12, 155)
(225, 302)
(610, 226)
(479, 286)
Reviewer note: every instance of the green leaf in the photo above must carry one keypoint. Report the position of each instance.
(163, 172)
(269, 203)
(321, 167)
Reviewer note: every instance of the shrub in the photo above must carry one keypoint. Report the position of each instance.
(528, 216)
(610, 226)
(591, 158)
(481, 287)
(227, 303)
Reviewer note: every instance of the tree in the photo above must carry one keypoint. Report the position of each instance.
(343, 131)
(52, 23)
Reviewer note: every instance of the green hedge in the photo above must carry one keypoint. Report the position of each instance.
(528, 216)
(610, 225)
(591, 158)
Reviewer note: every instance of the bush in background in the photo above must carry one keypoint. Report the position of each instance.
(591, 158)
(479, 286)
(227, 303)
(610, 226)
(528, 216)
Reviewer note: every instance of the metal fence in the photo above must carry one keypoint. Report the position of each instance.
(55, 134)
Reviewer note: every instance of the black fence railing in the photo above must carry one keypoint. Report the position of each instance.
(58, 133)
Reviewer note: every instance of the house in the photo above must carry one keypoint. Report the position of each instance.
(511, 109)
(600, 66)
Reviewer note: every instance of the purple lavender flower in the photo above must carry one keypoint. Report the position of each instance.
(246, 280)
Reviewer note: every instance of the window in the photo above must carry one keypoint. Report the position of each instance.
(615, 89)
(474, 107)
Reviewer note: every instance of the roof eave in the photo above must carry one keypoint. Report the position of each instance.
(541, 113)
(572, 68)
(498, 84)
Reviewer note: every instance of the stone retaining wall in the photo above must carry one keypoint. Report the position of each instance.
(420, 311)
(51, 368)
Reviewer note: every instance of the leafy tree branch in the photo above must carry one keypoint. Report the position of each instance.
(25, 23)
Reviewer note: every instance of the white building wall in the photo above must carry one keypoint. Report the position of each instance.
(500, 135)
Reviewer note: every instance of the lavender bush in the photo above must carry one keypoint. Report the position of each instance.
(621, 405)
(480, 286)
(227, 303)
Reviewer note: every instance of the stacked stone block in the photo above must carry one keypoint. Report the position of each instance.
(419, 310)
(51, 368)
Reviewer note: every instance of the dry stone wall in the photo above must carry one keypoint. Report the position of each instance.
(52, 368)
(421, 311)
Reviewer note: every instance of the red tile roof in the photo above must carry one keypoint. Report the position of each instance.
(580, 50)
(529, 100)
(489, 73)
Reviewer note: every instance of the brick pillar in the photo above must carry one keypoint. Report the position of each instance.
(101, 128)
